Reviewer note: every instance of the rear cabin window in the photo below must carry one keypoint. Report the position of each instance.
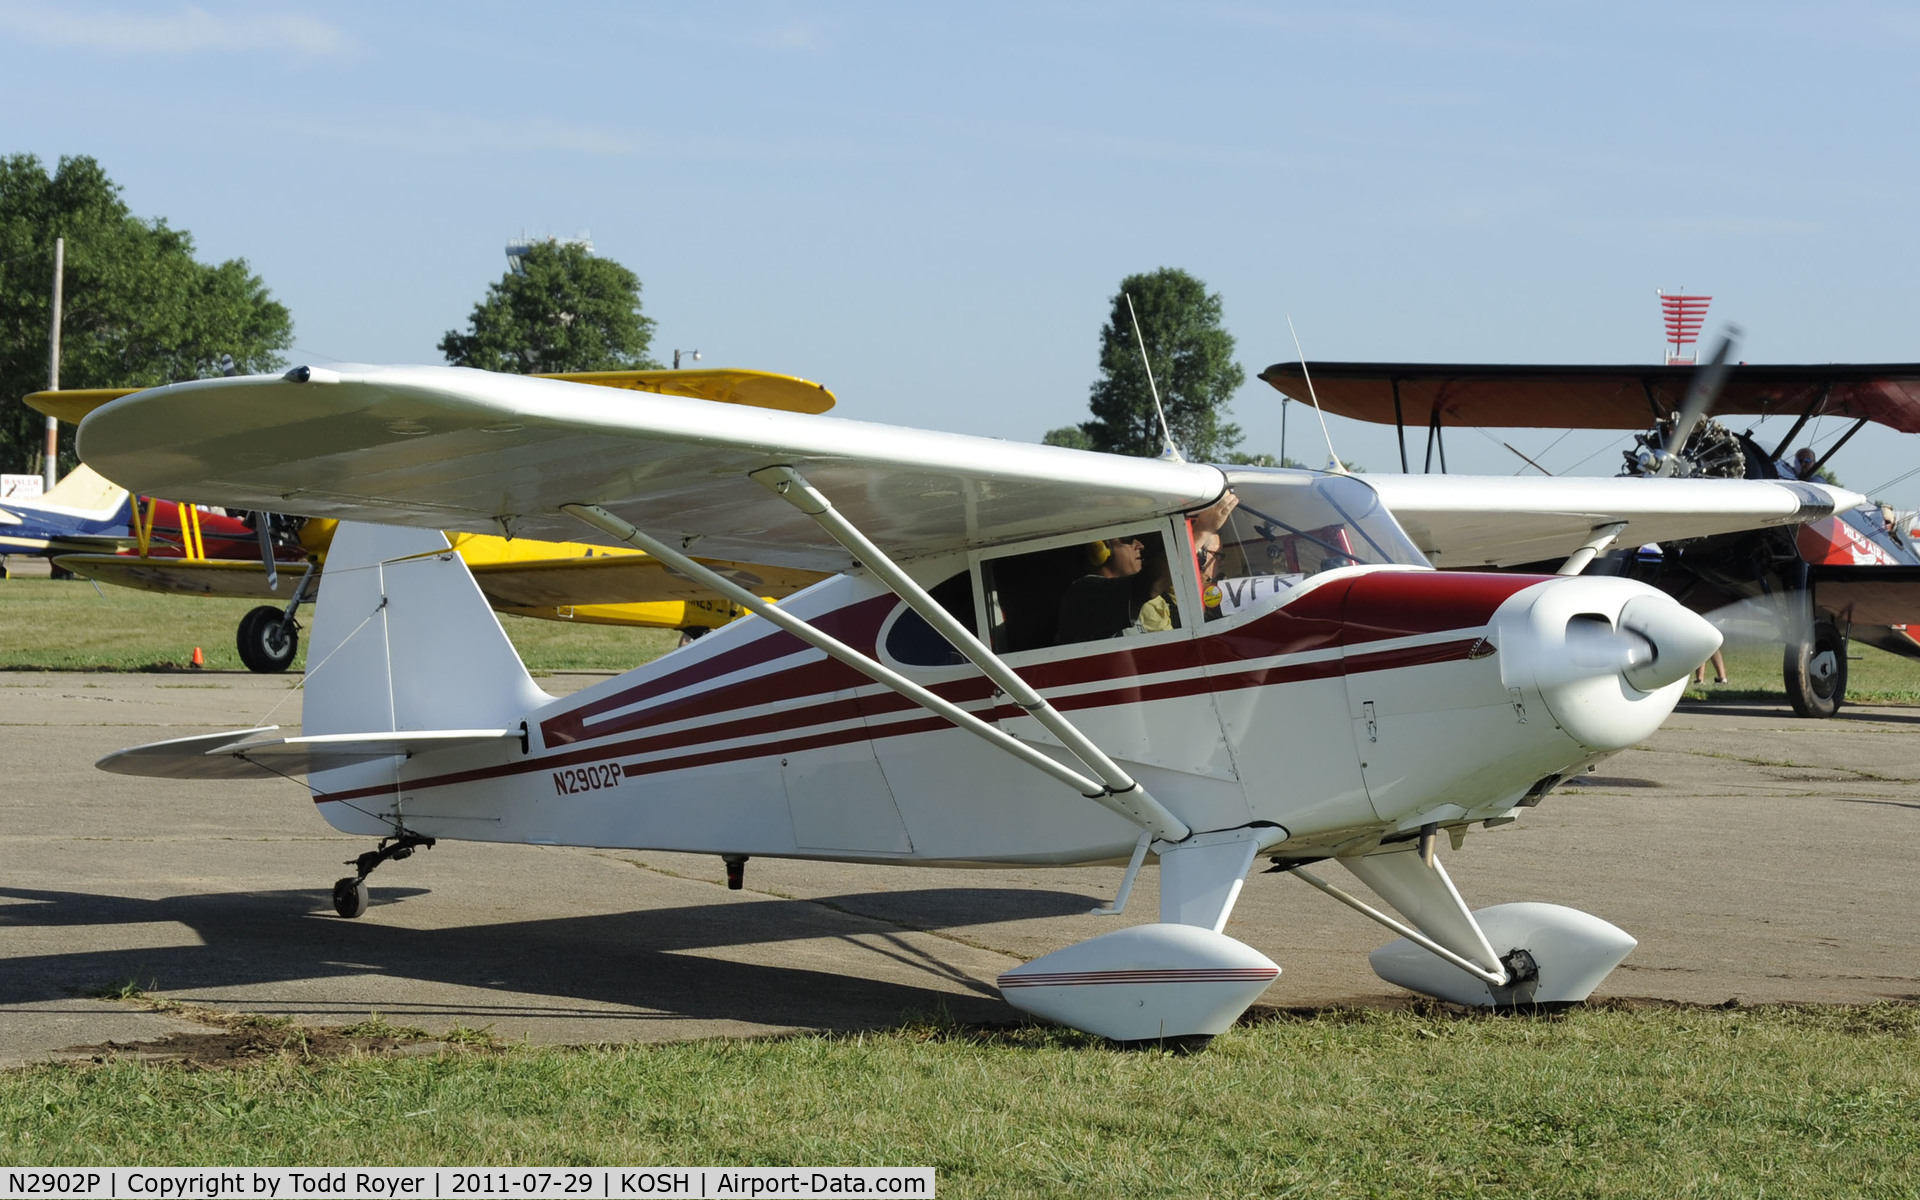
(1086, 592)
(914, 642)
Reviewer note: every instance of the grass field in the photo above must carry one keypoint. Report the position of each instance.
(1604, 1102)
(65, 625)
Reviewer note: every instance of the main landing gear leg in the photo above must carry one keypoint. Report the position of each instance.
(1506, 956)
(350, 893)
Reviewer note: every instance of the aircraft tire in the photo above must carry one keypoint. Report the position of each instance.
(350, 897)
(263, 648)
(1816, 671)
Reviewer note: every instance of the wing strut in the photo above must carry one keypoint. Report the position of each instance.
(1139, 806)
(1131, 802)
(1603, 536)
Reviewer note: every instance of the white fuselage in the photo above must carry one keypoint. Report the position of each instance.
(1364, 702)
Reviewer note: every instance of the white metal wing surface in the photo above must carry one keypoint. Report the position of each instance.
(1471, 521)
(450, 448)
(243, 754)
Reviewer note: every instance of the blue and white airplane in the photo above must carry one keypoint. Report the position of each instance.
(84, 513)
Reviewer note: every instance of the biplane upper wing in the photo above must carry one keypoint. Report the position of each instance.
(464, 450)
(1596, 397)
(1472, 521)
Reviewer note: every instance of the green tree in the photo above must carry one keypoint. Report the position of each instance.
(559, 309)
(1072, 436)
(1192, 362)
(137, 308)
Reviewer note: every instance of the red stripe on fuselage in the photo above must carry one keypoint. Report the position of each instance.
(857, 624)
(1406, 603)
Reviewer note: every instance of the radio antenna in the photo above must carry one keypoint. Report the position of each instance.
(1338, 466)
(1166, 435)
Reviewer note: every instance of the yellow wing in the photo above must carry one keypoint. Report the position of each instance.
(70, 406)
(521, 575)
(231, 578)
(759, 389)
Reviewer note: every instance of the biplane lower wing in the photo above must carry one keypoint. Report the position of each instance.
(227, 578)
(1868, 595)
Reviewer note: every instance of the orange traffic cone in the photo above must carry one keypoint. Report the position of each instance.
(198, 660)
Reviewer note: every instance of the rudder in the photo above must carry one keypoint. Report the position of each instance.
(403, 639)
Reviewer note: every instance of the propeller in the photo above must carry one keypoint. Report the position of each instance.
(263, 529)
(1707, 382)
(1652, 643)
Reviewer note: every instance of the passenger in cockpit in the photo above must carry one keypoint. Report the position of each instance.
(1106, 602)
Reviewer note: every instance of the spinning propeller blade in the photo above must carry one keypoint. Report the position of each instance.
(1707, 382)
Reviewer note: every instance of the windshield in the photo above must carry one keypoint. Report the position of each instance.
(1290, 525)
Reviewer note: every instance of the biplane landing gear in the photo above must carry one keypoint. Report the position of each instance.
(350, 892)
(269, 637)
(267, 640)
(1816, 671)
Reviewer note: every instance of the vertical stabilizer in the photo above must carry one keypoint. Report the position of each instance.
(403, 639)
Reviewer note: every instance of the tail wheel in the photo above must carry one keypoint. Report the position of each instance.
(350, 897)
(264, 646)
(1816, 671)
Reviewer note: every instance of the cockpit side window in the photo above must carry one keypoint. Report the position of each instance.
(914, 642)
(1083, 592)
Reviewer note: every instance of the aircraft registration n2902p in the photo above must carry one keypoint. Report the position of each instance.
(1024, 654)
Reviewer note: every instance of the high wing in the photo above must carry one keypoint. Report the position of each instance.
(760, 389)
(1472, 521)
(1595, 397)
(451, 448)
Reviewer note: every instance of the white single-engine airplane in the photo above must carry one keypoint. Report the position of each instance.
(1027, 654)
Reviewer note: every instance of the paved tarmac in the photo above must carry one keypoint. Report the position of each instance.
(1757, 856)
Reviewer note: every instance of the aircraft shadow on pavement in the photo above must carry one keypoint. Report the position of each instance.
(656, 964)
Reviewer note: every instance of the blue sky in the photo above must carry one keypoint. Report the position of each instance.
(928, 210)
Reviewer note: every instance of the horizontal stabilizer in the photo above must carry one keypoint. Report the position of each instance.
(235, 755)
